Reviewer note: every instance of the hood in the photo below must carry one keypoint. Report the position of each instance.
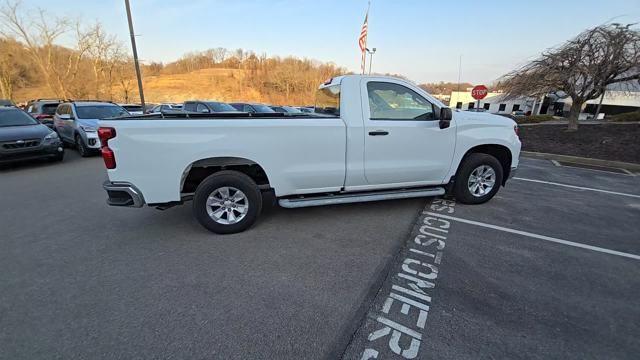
(472, 117)
(12, 133)
(88, 122)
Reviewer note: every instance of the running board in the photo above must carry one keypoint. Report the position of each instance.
(360, 197)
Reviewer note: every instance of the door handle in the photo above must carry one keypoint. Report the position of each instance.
(378, 133)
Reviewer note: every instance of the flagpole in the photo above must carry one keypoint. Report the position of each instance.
(363, 62)
(364, 66)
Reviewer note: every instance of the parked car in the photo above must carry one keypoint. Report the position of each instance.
(43, 110)
(6, 102)
(518, 113)
(166, 107)
(77, 123)
(133, 109)
(207, 107)
(374, 138)
(306, 109)
(252, 108)
(286, 109)
(23, 138)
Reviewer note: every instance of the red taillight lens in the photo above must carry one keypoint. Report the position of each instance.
(106, 133)
(42, 116)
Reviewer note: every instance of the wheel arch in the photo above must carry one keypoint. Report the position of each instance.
(500, 152)
(200, 169)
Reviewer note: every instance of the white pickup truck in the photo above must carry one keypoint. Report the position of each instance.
(371, 138)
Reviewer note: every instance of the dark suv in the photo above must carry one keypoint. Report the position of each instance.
(43, 110)
(23, 138)
(252, 108)
(206, 107)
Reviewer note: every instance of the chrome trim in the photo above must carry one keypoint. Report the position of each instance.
(136, 195)
(360, 197)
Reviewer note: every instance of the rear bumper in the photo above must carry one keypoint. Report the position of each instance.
(123, 194)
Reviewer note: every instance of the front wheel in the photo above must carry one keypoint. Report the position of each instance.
(227, 202)
(478, 179)
(82, 148)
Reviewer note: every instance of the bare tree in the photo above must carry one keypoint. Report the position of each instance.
(582, 67)
(12, 69)
(38, 36)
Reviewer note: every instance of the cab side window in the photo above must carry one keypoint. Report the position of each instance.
(389, 101)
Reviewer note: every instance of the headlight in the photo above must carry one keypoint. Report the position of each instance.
(51, 136)
(86, 128)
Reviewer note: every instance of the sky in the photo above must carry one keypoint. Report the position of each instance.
(421, 39)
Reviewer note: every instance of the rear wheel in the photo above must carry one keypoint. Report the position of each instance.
(478, 179)
(227, 202)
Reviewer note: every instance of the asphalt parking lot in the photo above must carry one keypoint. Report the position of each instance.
(81, 280)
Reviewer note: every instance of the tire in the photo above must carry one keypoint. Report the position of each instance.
(477, 164)
(59, 157)
(207, 208)
(82, 148)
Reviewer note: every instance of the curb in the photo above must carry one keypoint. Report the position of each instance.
(582, 160)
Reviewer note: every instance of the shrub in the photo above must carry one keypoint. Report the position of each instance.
(533, 119)
(625, 117)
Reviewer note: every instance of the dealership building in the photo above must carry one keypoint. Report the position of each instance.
(616, 100)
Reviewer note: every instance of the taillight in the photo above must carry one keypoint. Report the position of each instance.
(42, 116)
(106, 133)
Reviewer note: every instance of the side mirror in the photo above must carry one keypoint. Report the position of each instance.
(64, 117)
(445, 117)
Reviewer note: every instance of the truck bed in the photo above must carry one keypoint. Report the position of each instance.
(155, 151)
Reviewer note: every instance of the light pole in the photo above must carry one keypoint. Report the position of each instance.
(135, 54)
(371, 52)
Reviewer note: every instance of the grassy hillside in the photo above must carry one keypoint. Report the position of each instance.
(226, 85)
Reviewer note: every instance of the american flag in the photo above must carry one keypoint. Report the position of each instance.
(362, 41)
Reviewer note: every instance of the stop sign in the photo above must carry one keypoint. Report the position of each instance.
(479, 92)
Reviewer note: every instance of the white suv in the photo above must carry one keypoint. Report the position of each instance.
(76, 123)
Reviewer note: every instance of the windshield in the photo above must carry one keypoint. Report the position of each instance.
(99, 111)
(328, 100)
(220, 107)
(15, 117)
(262, 108)
(292, 110)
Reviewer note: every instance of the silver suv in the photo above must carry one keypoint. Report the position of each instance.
(76, 123)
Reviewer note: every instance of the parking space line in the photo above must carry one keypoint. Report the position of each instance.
(577, 187)
(537, 236)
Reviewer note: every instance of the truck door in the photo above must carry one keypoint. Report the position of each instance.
(403, 139)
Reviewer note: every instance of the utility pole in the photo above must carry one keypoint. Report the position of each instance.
(371, 52)
(135, 54)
